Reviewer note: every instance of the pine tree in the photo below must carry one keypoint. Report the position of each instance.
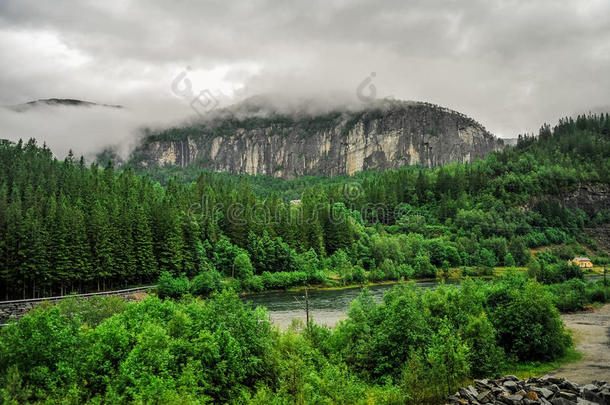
(35, 266)
(144, 255)
(171, 249)
(5, 271)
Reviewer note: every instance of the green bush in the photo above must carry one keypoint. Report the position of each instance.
(405, 271)
(487, 258)
(206, 283)
(254, 284)
(44, 348)
(283, 279)
(170, 287)
(423, 267)
(527, 321)
(558, 273)
(316, 277)
(569, 295)
(469, 271)
(485, 271)
(429, 375)
(376, 274)
(509, 260)
(234, 284)
(375, 339)
(414, 347)
(359, 275)
(93, 310)
(598, 293)
(389, 270)
(486, 357)
(242, 267)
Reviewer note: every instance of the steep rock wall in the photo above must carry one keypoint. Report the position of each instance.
(335, 144)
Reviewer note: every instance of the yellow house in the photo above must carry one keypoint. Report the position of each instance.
(583, 262)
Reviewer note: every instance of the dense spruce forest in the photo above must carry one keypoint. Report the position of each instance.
(67, 227)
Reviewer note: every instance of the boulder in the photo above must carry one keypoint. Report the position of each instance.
(547, 390)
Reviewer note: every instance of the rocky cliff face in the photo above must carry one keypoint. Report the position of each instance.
(384, 137)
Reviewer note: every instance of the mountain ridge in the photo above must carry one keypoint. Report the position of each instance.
(384, 135)
(55, 102)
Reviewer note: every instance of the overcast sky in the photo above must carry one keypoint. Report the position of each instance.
(512, 65)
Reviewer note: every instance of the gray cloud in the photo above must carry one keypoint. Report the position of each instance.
(511, 64)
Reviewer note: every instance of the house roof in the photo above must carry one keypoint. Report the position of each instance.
(582, 258)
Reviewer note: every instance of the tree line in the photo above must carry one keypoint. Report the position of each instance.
(66, 226)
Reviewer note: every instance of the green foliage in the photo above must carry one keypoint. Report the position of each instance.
(153, 351)
(558, 272)
(206, 283)
(486, 356)
(66, 227)
(170, 287)
(488, 259)
(242, 267)
(569, 296)
(414, 347)
(527, 321)
(423, 267)
(283, 280)
(598, 294)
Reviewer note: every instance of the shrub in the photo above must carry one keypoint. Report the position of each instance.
(429, 375)
(555, 235)
(169, 287)
(43, 348)
(376, 274)
(535, 239)
(487, 258)
(528, 324)
(486, 357)
(376, 340)
(389, 269)
(564, 252)
(254, 283)
(423, 267)
(242, 267)
(317, 277)
(485, 271)
(283, 279)
(405, 271)
(560, 272)
(469, 272)
(93, 310)
(234, 284)
(547, 257)
(359, 275)
(206, 283)
(598, 294)
(569, 295)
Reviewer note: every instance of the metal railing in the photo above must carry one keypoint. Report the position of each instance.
(61, 297)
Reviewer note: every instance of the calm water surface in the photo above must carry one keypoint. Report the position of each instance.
(326, 307)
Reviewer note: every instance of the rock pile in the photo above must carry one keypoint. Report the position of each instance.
(509, 390)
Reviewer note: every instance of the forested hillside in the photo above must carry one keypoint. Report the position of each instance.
(68, 227)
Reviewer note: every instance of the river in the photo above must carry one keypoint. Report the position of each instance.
(326, 307)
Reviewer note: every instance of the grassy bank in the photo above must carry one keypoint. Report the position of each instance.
(536, 368)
